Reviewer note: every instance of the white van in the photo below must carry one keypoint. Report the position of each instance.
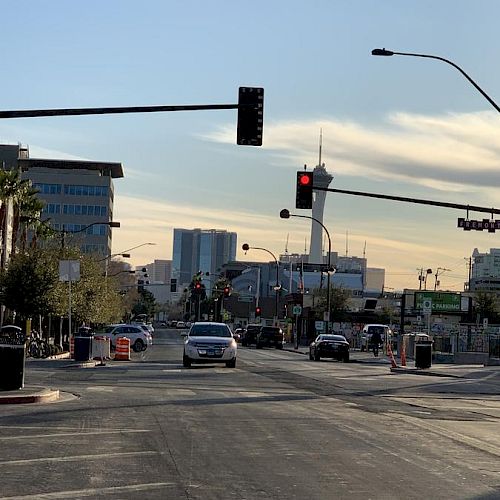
(384, 330)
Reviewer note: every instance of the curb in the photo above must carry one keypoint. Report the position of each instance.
(83, 364)
(45, 396)
(62, 355)
(422, 371)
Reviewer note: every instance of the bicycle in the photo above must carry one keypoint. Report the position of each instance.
(37, 347)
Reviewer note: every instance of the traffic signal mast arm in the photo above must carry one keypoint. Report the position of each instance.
(444, 204)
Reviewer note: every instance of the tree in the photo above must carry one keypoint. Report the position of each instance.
(29, 285)
(486, 305)
(339, 302)
(146, 304)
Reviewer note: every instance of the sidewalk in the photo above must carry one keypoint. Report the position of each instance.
(436, 370)
(29, 394)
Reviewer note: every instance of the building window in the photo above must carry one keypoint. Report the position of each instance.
(84, 190)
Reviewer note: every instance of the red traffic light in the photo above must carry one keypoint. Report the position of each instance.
(305, 179)
(197, 286)
(257, 311)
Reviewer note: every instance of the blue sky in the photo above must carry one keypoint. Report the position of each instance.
(402, 125)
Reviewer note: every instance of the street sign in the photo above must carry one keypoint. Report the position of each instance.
(427, 306)
(478, 225)
(297, 310)
(69, 270)
(319, 326)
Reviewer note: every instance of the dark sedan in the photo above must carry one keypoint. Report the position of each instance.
(329, 346)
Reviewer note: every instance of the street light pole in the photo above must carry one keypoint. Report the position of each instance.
(246, 247)
(384, 52)
(285, 214)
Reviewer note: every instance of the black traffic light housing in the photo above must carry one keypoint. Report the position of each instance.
(250, 116)
(304, 190)
(227, 291)
(258, 312)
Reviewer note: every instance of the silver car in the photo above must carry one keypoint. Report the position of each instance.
(209, 343)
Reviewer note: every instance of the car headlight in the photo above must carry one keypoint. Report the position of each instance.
(232, 343)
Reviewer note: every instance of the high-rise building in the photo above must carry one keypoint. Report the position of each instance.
(76, 193)
(158, 271)
(485, 271)
(321, 178)
(205, 250)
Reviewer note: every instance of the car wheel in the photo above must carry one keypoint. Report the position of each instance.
(186, 361)
(317, 357)
(362, 348)
(231, 364)
(345, 359)
(138, 346)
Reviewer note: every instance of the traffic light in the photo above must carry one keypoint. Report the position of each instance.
(250, 116)
(304, 193)
(227, 291)
(173, 285)
(257, 312)
(197, 287)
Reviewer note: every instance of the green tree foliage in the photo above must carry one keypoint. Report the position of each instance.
(339, 302)
(486, 305)
(29, 285)
(146, 304)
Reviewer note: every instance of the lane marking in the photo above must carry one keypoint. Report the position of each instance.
(67, 434)
(76, 458)
(88, 492)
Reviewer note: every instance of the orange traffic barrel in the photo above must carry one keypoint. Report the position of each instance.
(122, 352)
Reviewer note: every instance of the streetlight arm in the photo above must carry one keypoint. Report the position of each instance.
(268, 251)
(384, 52)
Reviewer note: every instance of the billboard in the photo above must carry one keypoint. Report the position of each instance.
(441, 301)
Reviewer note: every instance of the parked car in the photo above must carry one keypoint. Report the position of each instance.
(139, 338)
(238, 334)
(368, 330)
(250, 334)
(209, 343)
(329, 346)
(147, 328)
(180, 324)
(270, 336)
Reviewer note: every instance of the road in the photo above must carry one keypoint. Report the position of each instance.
(277, 427)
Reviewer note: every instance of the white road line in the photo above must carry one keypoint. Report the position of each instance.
(66, 434)
(90, 492)
(76, 458)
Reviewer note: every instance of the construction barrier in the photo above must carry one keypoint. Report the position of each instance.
(403, 354)
(122, 352)
(391, 356)
(101, 348)
(72, 347)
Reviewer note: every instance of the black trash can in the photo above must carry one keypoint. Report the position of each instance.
(423, 354)
(12, 356)
(83, 344)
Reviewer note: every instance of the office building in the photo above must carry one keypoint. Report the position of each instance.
(205, 250)
(77, 193)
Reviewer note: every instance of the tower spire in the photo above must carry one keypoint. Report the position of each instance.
(320, 145)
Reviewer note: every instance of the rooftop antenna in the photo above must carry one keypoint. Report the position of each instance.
(286, 244)
(320, 144)
(305, 245)
(346, 243)
(364, 250)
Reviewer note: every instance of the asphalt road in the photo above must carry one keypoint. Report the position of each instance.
(277, 427)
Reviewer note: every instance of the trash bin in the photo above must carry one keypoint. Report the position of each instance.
(423, 354)
(83, 344)
(12, 356)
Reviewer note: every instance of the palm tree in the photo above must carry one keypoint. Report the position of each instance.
(30, 209)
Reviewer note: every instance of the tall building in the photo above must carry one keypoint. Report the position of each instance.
(485, 271)
(158, 271)
(205, 250)
(77, 193)
(321, 178)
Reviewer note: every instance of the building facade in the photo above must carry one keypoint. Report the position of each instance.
(201, 250)
(76, 193)
(485, 271)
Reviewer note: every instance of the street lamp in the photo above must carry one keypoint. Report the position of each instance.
(277, 287)
(285, 214)
(384, 52)
(64, 232)
(122, 254)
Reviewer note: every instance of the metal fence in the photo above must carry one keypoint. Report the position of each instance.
(466, 341)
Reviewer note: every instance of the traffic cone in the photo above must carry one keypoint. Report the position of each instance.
(391, 356)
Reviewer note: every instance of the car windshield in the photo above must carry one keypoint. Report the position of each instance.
(376, 329)
(270, 329)
(210, 331)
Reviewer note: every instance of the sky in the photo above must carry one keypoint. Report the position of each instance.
(401, 125)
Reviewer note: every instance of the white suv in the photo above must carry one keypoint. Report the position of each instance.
(139, 338)
(209, 343)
